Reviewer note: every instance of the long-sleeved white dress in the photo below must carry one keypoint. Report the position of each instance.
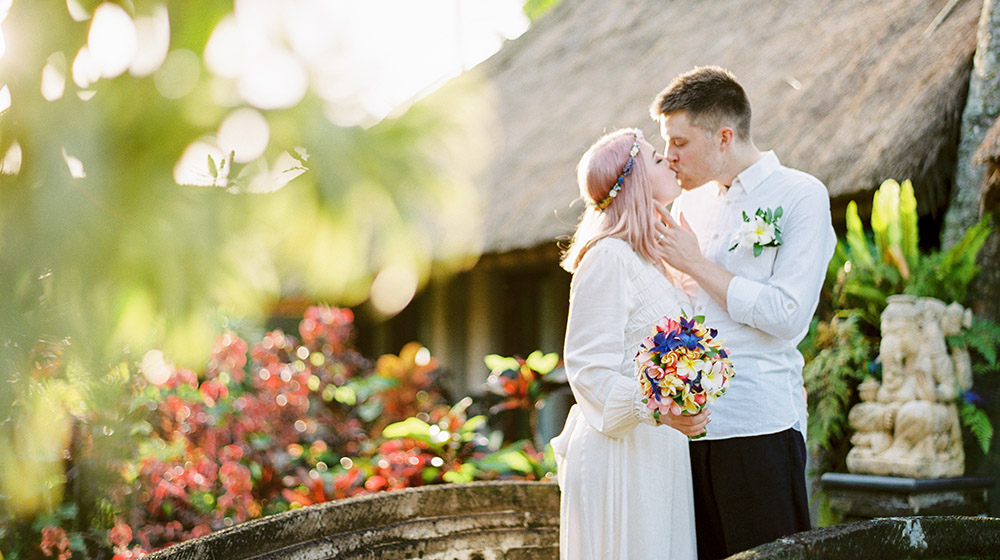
(625, 481)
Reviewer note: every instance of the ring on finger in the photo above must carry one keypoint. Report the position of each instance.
(659, 237)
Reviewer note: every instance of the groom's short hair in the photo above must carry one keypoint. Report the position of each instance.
(712, 98)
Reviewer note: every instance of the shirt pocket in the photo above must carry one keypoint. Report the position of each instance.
(742, 262)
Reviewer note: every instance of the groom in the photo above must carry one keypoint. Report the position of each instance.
(756, 237)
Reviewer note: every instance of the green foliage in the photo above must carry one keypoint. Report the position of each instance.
(978, 406)
(104, 245)
(978, 423)
(894, 224)
(535, 9)
(866, 269)
(863, 273)
(947, 275)
(832, 376)
(982, 337)
(258, 430)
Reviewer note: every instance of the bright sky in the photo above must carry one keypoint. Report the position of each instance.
(365, 59)
(398, 49)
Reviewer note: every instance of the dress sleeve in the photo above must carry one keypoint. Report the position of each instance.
(600, 300)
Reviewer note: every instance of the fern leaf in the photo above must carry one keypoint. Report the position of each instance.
(978, 423)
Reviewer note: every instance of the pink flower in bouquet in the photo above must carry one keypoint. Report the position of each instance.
(682, 366)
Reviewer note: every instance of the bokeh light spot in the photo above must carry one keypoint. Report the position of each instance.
(285, 169)
(246, 132)
(85, 70)
(11, 163)
(154, 42)
(76, 10)
(155, 368)
(423, 356)
(54, 77)
(112, 40)
(224, 53)
(393, 289)
(178, 76)
(277, 81)
(75, 165)
(4, 98)
(192, 168)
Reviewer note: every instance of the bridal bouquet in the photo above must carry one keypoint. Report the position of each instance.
(682, 366)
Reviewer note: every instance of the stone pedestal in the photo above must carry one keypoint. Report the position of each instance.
(859, 496)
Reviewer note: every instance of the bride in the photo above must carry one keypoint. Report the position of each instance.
(625, 478)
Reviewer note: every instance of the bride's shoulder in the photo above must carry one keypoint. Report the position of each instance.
(610, 248)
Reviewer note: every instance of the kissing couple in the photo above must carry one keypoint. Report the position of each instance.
(709, 226)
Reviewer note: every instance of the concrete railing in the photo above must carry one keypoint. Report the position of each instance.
(478, 521)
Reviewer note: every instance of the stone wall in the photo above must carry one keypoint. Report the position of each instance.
(509, 520)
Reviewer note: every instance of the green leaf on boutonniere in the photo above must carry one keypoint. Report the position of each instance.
(757, 249)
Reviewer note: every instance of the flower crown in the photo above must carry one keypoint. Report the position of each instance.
(636, 136)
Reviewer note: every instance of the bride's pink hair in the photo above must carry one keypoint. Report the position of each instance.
(630, 216)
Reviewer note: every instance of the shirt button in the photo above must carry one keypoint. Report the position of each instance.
(700, 308)
(715, 236)
(791, 306)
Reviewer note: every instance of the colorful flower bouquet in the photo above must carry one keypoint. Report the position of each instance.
(682, 367)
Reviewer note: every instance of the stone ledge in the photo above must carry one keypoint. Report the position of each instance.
(475, 521)
(902, 538)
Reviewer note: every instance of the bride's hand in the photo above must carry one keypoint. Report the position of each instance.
(687, 425)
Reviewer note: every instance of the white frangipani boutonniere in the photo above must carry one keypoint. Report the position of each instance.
(760, 230)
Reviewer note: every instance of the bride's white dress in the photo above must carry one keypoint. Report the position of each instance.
(625, 481)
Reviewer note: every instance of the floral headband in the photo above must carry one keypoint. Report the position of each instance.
(636, 136)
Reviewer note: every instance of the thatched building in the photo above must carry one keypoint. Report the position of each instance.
(854, 92)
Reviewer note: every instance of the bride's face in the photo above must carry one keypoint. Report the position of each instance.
(662, 179)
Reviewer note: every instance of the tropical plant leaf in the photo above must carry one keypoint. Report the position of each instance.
(542, 363)
(497, 362)
(411, 427)
(466, 473)
(908, 223)
(856, 239)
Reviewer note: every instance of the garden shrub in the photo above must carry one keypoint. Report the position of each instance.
(285, 422)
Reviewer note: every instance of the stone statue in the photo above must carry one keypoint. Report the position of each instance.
(908, 425)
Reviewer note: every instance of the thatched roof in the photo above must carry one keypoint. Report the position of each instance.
(854, 92)
(988, 154)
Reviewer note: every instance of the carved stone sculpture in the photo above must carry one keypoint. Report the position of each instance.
(908, 425)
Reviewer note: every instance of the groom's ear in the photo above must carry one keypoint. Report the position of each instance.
(725, 137)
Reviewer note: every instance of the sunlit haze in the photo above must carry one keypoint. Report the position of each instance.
(366, 59)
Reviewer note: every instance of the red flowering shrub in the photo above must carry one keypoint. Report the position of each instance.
(279, 424)
(55, 543)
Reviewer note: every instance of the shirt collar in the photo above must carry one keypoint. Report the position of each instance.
(759, 170)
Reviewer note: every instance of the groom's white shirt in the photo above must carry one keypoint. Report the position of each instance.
(772, 297)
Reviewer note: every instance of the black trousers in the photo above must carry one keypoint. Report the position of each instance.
(748, 491)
